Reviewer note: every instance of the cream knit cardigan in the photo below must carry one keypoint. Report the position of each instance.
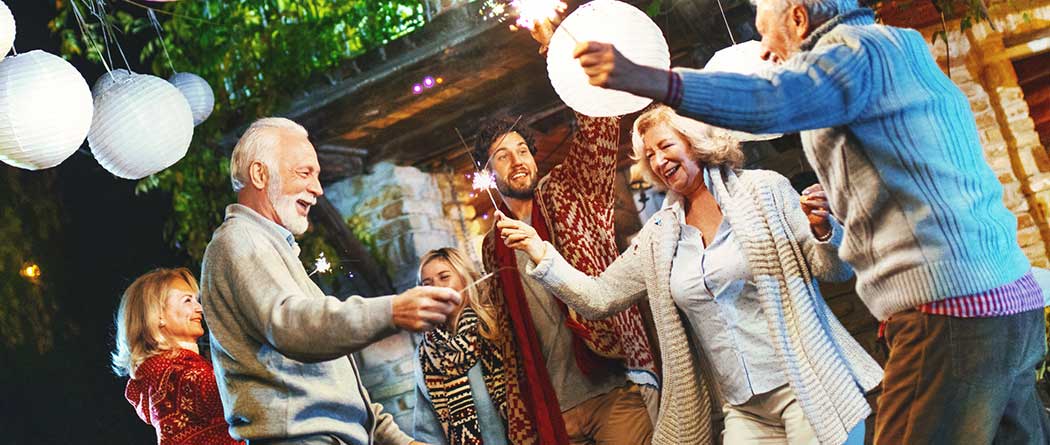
(826, 368)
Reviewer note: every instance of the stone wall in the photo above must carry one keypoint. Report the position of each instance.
(402, 208)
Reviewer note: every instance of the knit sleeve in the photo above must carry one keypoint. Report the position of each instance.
(822, 256)
(825, 87)
(304, 327)
(595, 298)
(387, 432)
(589, 169)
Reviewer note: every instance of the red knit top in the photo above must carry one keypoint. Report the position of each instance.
(176, 393)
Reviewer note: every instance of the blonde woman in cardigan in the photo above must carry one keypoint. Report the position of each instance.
(729, 267)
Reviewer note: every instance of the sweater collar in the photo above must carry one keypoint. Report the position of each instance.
(859, 16)
(240, 211)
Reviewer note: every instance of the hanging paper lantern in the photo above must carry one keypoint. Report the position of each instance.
(198, 93)
(107, 80)
(45, 110)
(142, 125)
(603, 21)
(742, 58)
(7, 30)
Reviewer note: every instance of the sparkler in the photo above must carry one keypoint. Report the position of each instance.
(531, 12)
(483, 178)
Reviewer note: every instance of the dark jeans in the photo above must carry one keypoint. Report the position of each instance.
(962, 381)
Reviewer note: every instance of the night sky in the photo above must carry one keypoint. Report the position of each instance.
(109, 236)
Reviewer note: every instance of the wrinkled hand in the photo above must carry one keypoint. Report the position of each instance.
(816, 207)
(606, 67)
(424, 308)
(520, 236)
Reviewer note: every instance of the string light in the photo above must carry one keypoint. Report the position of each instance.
(30, 271)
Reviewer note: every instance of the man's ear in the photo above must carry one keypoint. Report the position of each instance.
(800, 18)
(258, 175)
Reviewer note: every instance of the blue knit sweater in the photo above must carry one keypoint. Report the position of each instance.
(895, 144)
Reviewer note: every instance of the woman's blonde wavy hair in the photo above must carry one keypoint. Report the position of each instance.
(708, 145)
(138, 318)
(475, 296)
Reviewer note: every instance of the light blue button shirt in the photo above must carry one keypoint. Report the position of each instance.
(713, 287)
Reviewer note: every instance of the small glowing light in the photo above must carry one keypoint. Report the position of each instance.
(483, 180)
(428, 81)
(473, 195)
(417, 88)
(30, 271)
(440, 80)
(350, 275)
(485, 216)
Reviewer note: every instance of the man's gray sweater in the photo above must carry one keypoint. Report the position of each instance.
(281, 347)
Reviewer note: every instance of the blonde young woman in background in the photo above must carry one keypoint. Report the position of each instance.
(729, 267)
(171, 387)
(459, 374)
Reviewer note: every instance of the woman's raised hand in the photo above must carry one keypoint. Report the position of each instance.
(520, 236)
(815, 205)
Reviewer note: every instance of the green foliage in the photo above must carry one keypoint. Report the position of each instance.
(29, 222)
(257, 55)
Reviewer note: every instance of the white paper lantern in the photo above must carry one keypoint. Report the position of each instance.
(142, 125)
(742, 58)
(609, 21)
(198, 93)
(107, 80)
(45, 110)
(7, 30)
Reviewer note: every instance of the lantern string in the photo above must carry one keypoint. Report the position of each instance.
(181, 16)
(99, 11)
(160, 37)
(726, 21)
(83, 30)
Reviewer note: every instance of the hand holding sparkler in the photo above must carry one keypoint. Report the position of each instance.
(424, 308)
(518, 235)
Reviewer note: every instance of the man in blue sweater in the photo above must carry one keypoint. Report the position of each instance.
(934, 248)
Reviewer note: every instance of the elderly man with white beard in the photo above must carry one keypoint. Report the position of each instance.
(281, 347)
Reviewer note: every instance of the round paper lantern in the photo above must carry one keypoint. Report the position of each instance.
(7, 30)
(609, 21)
(742, 58)
(45, 110)
(107, 80)
(197, 92)
(142, 125)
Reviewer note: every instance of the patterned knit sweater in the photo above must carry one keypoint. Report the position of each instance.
(175, 392)
(826, 368)
(895, 144)
(576, 199)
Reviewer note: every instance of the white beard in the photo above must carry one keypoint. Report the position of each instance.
(286, 208)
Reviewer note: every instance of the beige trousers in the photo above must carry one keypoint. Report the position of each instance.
(618, 417)
(773, 418)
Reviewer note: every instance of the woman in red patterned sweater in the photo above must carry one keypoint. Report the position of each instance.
(171, 387)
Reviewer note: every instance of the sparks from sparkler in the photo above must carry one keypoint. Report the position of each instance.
(481, 173)
(321, 265)
(531, 12)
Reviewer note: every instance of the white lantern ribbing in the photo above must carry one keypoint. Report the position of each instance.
(107, 80)
(198, 93)
(742, 58)
(7, 30)
(609, 21)
(45, 110)
(142, 125)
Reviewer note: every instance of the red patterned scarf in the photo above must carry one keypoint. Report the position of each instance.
(539, 397)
